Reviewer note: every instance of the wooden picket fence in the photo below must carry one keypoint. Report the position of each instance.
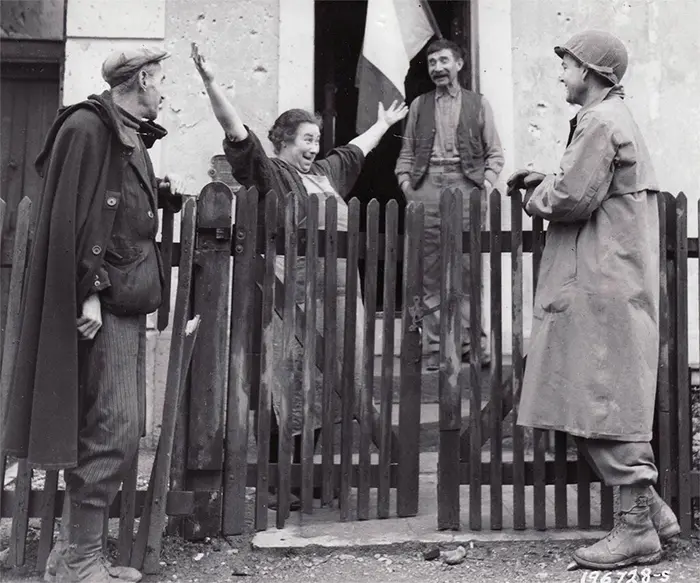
(220, 455)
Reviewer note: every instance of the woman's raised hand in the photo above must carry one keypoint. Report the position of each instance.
(201, 64)
(395, 112)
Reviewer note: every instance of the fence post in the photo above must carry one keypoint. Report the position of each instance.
(685, 438)
(410, 382)
(209, 371)
(662, 441)
(236, 456)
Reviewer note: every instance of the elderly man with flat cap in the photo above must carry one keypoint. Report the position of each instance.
(78, 392)
(592, 361)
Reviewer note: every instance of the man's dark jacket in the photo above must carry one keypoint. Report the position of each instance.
(83, 162)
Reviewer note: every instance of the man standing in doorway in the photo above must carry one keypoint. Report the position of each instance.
(78, 392)
(592, 361)
(450, 141)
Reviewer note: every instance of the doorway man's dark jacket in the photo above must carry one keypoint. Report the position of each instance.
(84, 163)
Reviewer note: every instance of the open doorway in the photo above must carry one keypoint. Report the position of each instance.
(340, 27)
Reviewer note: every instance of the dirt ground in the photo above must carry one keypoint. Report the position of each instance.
(233, 559)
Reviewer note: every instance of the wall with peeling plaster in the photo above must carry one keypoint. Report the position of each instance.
(240, 39)
(43, 20)
(662, 84)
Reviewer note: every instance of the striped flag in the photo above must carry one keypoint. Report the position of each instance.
(394, 33)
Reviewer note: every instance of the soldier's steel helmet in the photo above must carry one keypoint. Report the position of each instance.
(600, 51)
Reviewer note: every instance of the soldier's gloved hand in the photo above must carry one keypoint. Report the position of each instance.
(523, 179)
(517, 179)
(533, 179)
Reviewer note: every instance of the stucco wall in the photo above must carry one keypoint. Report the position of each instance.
(662, 84)
(240, 39)
(662, 81)
(35, 19)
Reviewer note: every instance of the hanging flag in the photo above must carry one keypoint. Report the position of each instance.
(394, 33)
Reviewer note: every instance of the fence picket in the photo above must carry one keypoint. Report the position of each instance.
(48, 518)
(267, 365)
(560, 485)
(147, 546)
(127, 513)
(367, 395)
(3, 212)
(607, 507)
(20, 517)
(671, 267)
(13, 322)
(496, 418)
(410, 383)
(349, 357)
(450, 373)
(540, 437)
(309, 359)
(475, 428)
(387, 377)
(166, 251)
(284, 457)
(583, 492)
(330, 360)
(516, 255)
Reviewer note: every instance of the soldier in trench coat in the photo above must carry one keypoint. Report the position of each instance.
(593, 356)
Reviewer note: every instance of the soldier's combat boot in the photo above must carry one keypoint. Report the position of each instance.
(633, 541)
(662, 517)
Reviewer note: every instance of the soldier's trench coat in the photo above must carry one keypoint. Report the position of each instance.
(593, 353)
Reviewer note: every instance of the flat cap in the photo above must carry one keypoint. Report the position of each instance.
(122, 64)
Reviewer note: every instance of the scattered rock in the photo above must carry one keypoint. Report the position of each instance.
(456, 556)
(241, 572)
(345, 557)
(4, 555)
(198, 557)
(431, 554)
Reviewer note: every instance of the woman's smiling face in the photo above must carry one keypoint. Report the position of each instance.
(302, 151)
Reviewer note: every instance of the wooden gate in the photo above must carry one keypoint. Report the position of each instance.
(545, 463)
(220, 455)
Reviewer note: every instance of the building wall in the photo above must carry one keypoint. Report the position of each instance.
(241, 41)
(20, 19)
(662, 83)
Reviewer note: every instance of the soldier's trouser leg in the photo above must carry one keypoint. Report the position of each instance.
(620, 463)
(635, 538)
(631, 464)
